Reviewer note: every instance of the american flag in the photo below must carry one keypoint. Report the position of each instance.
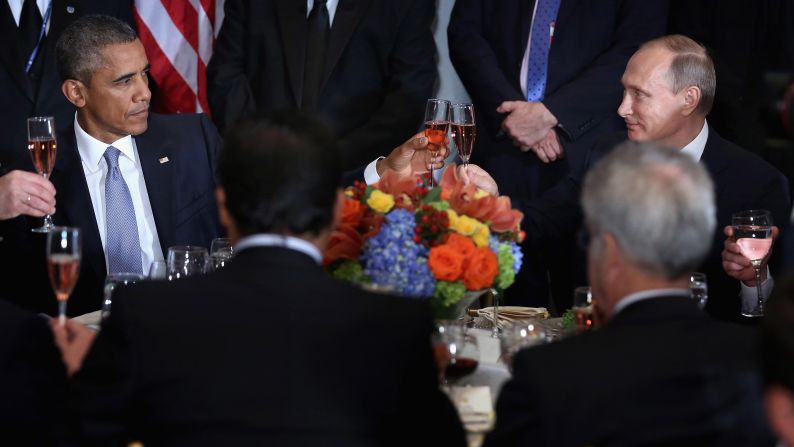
(179, 36)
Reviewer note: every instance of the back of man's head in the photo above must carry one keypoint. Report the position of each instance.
(79, 49)
(280, 174)
(691, 66)
(657, 203)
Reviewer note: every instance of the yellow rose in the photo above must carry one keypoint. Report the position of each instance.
(466, 226)
(380, 201)
(452, 216)
(480, 236)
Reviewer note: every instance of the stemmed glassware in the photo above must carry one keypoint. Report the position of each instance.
(63, 264)
(186, 260)
(457, 353)
(42, 148)
(752, 231)
(699, 289)
(464, 130)
(519, 336)
(583, 308)
(112, 282)
(436, 127)
(221, 252)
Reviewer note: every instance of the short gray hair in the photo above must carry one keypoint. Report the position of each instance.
(79, 49)
(658, 204)
(691, 65)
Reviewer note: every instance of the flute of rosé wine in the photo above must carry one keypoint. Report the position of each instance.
(436, 128)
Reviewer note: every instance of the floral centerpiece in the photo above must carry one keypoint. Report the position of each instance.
(402, 236)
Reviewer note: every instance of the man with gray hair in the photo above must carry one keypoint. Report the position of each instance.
(659, 372)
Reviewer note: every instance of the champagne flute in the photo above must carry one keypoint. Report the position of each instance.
(463, 130)
(436, 126)
(63, 264)
(752, 231)
(42, 148)
(583, 308)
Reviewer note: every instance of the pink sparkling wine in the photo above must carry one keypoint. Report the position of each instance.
(754, 248)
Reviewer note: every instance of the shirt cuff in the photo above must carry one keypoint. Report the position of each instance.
(750, 294)
(371, 172)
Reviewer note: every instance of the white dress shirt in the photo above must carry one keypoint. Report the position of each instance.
(16, 9)
(279, 240)
(749, 295)
(330, 6)
(95, 168)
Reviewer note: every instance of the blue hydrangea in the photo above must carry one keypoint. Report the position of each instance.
(518, 256)
(391, 257)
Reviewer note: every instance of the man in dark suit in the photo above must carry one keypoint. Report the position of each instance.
(134, 184)
(660, 371)
(293, 357)
(364, 67)
(777, 361)
(37, 92)
(493, 45)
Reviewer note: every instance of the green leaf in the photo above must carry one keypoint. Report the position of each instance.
(433, 196)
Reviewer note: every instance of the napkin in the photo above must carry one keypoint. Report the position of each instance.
(474, 406)
(511, 314)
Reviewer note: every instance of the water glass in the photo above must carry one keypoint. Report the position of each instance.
(112, 282)
(221, 252)
(187, 260)
(698, 288)
(158, 270)
(522, 335)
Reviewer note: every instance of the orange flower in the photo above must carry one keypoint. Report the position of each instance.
(503, 217)
(352, 212)
(370, 223)
(461, 244)
(482, 269)
(445, 262)
(345, 243)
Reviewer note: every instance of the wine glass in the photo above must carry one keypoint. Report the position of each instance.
(583, 308)
(221, 252)
(457, 353)
(186, 260)
(463, 130)
(158, 270)
(519, 336)
(752, 231)
(42, 148)
(436, 126)
(63, 264)
(112, 282)
(699, 289)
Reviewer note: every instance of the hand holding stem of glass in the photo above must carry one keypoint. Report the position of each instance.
(42, 148)
(436, 127)
(464, 130)
(752, 231)
(63, 264)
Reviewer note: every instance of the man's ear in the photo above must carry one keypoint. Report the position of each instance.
(74, 91)
(692, 96)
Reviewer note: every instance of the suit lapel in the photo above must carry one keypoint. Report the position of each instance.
(153, 147)
(525, 24)
(292, 24)
(711, 158)
(348, 15)
(59, 19)
(12, 60)
(69, 181)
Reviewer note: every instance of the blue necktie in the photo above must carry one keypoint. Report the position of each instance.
(539, 43)
(122, 243)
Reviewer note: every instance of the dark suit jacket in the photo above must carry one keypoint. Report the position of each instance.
(181, 191)
(268, 351)
(380, 68)
(591, 45)
(32, 379)
(660, 373)
(742, 181)
(18, 96)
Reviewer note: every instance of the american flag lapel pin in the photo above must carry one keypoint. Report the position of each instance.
(164, 160)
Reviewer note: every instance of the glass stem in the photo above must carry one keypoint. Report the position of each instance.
(758, 289)
(495, 332)
(62, 312)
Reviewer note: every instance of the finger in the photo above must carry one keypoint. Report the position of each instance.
(728, 230)
(775, 232)
(550, 154)
(463, 174)
(506, 106)
(540, 153)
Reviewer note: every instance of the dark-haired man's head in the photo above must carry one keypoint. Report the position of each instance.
(104, 71)
(279, 174)
(777, 360)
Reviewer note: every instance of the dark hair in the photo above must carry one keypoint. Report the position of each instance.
(777, 337)
(280, 172)
(79, 49)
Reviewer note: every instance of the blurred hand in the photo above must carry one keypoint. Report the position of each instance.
(26, 193)
(73, 339)
(548, 149)
(480, 178)
(736, 265)
(414, 157)
(527, 123)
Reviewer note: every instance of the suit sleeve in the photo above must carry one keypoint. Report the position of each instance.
(477, 64)
(412, 75)
(228, 90)
(581, 103)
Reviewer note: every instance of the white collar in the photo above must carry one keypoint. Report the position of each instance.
(92, 150)
(279, 240)
(644, 295)
(696, 147)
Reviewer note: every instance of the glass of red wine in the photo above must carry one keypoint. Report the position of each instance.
(463, 130)
(42, 148)
(752, 231)
(457, 352)
(436, 127)
(63, 264)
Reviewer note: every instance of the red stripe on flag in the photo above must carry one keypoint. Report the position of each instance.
(185, 17)
(209, 9)
(174, 94)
